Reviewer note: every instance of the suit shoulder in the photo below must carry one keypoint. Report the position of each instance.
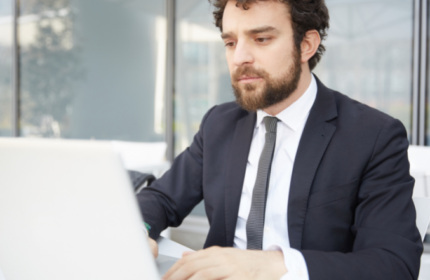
(229, 111)
(353, 110)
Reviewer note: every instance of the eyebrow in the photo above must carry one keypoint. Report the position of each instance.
(254, 31)
(260, 30)
(226, 35)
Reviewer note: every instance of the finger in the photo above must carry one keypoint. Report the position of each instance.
(189, 259)
(212, 273)
(154, 247)
(187, 253)
(187, 267)
(208, 252)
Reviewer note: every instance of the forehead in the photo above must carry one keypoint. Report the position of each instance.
(261, 13)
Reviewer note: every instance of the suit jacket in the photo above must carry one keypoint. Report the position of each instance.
(350, 209)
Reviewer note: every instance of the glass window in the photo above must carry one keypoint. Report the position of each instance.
(202, 77)
(427, 101)
(93, 69)
(6, 53)
(369, 54)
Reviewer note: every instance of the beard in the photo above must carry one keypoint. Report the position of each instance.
(252, 97)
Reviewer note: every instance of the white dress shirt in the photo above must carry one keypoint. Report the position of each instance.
(289, 131)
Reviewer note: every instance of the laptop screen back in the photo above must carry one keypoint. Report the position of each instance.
(67, 211)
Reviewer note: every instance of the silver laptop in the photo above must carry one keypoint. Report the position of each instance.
(68, 211)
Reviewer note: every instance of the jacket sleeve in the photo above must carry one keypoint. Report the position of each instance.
(172, 197)
(387, 243)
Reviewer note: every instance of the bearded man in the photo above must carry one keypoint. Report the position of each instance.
(298, 181)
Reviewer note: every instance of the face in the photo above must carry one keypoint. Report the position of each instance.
(264, 64)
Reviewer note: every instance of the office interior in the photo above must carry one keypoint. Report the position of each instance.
(140, 71)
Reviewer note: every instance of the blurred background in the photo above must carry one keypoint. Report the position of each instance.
(147, 71)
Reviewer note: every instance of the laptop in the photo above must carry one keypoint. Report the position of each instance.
(68, 211)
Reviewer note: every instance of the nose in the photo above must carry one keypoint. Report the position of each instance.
(242, 54)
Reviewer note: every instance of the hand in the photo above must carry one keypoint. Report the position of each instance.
(228, 263)
(154, 247)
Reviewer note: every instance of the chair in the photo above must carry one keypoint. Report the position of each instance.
(419, 158)
(140, 180)
(422, 206)
(143, 157)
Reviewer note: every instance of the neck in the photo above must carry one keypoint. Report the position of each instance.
(304, 82)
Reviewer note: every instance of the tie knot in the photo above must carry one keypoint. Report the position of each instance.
(271, 124)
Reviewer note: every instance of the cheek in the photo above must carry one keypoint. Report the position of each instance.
(231, 70)
(229, 59)
(275, 61)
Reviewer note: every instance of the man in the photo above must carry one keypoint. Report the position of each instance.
(313, 184)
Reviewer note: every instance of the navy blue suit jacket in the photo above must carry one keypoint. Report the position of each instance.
(350, 210)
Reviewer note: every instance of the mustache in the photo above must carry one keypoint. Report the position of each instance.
(248, 71)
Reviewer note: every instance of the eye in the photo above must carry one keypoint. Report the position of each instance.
(230, 44)
(262, 40)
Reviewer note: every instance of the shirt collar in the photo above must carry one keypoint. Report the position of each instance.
(294, 115)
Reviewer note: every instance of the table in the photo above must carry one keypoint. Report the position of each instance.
(169, 252)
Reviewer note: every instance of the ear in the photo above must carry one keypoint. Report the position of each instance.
(310, 44)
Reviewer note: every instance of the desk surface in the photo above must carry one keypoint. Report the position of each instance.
(169, 252)
(170, 248)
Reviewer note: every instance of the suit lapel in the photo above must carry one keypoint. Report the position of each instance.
(314, 141)
(235, 172)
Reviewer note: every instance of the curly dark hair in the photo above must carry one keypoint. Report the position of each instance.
(305, 14)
